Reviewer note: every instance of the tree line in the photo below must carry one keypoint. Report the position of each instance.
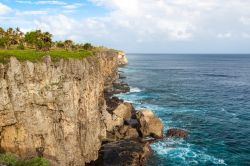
(39, 40)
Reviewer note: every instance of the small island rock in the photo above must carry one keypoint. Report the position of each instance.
(179, 133)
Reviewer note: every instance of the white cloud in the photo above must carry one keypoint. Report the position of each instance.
(128, 23)
(32, 12)
(58, 25)
(42, 2)
(51, 3)
(73, 6)
(245, 35)
(245, 20)
(224, 35)
(4, 9)
(24, 2)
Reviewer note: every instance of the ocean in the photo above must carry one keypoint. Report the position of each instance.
(207, 95)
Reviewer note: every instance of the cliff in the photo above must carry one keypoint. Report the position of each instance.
(56, 109)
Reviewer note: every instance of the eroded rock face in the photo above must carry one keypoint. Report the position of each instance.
(178, 133)
(150, 124)
(122, 58)
(58, 107)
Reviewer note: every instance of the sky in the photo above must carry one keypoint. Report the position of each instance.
(138, 26)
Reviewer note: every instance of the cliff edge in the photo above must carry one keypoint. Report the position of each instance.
(65, 111)
(55, 109)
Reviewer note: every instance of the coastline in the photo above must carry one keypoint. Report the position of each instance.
(67, 112)
(131, 148)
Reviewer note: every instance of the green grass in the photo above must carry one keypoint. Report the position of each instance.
(36, 56)
(11, 160)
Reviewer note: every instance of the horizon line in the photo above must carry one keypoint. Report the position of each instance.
(190, 53)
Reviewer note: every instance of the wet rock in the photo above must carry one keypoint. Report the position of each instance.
(150, 124)
(179, 133)
(120, 87)
(121, 76)
(124, 111)
(123, 153)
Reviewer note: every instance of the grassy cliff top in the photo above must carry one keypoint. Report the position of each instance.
(36, 44)
(35, 56)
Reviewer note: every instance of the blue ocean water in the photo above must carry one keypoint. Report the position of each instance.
(207, 95)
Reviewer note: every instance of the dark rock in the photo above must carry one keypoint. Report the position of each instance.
(179, 133)
(134, 123)
(120, 87)
(112, 103)
(123, 153)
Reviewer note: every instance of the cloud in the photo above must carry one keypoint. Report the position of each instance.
(245, 20)
(73, 6)
(58, 25)
(24, 2)
(4, 9)
(42, 2)
(32, 12)
(139, 24)
(246, 35)
(224, 35)
(51, 3)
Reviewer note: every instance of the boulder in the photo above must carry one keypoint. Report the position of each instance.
(179, 133)
(150, 124)
(123, 153)
(112, 121)
(131, 133)
(124, 111)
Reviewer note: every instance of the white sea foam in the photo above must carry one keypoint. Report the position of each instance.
(179, 150)
(135, 90)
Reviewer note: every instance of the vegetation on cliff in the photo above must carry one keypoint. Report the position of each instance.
(36, 44)
(11, 160)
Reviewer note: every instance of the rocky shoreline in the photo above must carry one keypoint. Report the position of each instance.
(131, 132)
(66, 112)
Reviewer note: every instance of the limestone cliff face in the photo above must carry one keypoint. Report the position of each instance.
(56, 109)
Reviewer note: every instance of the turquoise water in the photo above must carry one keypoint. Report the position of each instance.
(207, 95)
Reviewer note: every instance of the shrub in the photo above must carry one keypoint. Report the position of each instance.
(11, 160)
(87, 46)
(20, 46)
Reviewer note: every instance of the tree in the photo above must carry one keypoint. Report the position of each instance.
(6, 38)
(87, 46)
(2, 37)
(1, 32)
(68, 44)
(59, 44)
(40, 40)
